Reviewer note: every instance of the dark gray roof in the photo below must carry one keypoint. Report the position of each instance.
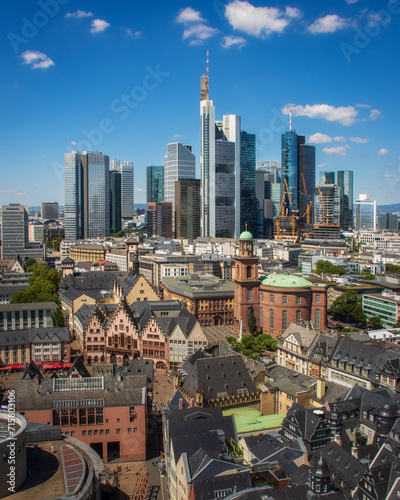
(39, 335)
(13, 289)
(32, 306)
(214, 376)
(205, 488)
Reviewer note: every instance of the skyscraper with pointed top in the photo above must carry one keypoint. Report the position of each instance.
(227, 171)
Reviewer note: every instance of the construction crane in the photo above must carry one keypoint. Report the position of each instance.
(278, 227)
(307, 213)
(323, 205)
(293, 216)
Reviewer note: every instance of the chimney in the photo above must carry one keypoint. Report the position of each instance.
(180, 403)
(192, 402)
(320, 388)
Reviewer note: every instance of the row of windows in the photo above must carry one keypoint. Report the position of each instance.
(101, 432)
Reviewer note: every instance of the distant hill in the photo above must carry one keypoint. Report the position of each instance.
(388, 208)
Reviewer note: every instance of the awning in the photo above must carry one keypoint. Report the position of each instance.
(10, 367)
(67, 365)
(52, 366)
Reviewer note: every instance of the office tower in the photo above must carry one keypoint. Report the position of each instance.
(155, 184)
(249, 203)
(179, 163)
(14, 230)
(159, 219)
(365, 214)
(298, 171)
(387, 221)
(187, 208)
(306, 177)
(127, 189)
(115, 201)
(87, 195)
(345, 182)
(115, 166)
(273, 168)
(326, 178)
(49, 211)
(327, 204)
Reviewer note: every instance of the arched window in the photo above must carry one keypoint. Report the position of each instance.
(249, 271)
(249, 290)
(271, 298)
(284, 320)
(271, 319)
(298, 316)
(284, 299)
(262, 296)
(318, 299)
(261, 317)
(317, 320)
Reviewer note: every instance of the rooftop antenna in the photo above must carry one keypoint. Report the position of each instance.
(290, 120)
(208, 69)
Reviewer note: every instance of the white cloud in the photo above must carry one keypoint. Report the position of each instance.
(258, 21)
(198, 33)
(374, 114)
(359, 140)
(328, 24)
(73, 143)
(349, 2)
(337, 150)
(230, 41)
(321, 165)
(383, 152)
(339, 138)
(319, 138)
(21, 194)
(133, 34)
(189, 15)
(177, 136)
(139, 190)
(344, 115)
(43, 154)
(78, 14)
(99, 25)
(293, 12)
(37, 60)
(362, 106)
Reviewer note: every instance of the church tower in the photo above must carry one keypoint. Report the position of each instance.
(247, 285)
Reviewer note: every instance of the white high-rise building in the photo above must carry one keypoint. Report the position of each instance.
(220, 173)
(179, 163)
(127, 190)
(365, 214)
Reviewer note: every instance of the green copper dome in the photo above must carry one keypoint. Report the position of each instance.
(246, 236)
(286, 281)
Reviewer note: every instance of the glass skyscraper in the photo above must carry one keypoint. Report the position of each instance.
(345, 182)
(298, 170)
(248, 198)
(155, 184)
(179, 163)
(326, 178)
(87, 195)
(365, 214)
(115, 201)
(127, 190)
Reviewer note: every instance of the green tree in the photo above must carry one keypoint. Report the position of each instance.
(29, 263)
(57, 318)
(326, 267)
(348, 308)
(375, 322)
(392, 268)
(251, 320)
(44, 285)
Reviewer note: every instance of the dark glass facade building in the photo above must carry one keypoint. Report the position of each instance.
(326, 178)
(298, 170)
(115, 201)
(187, 208)
(248, 197)
(155, 184)
(345, 182)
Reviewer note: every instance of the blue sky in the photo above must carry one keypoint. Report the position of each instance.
(123, 77)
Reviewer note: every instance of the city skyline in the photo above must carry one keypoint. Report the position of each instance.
(342, 104)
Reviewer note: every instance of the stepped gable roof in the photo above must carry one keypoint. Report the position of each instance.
(216, 376)
(128, 281)
(286, 280)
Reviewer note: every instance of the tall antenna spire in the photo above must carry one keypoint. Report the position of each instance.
(204, 82)
(290, 120)
(208, 69)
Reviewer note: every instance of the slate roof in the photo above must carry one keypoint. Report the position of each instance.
(40, 335)
(205, 488)
(33, 306)
(213, 376)
(92, 283)
(174, 403)
(304, 336)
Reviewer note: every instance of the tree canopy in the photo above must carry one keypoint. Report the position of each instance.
(253, 346)
(348, 308)
(326, 267)
(375, 322)
(392, 268)
(44, 285)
